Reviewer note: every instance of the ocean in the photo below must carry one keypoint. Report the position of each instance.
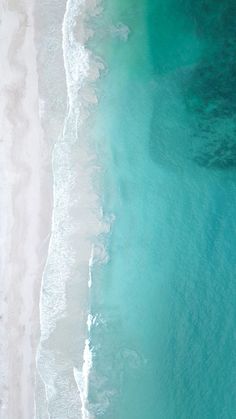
(160, 299)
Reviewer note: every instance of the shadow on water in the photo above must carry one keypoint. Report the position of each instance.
(193, 118)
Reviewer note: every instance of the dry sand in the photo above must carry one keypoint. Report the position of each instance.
(25, 208)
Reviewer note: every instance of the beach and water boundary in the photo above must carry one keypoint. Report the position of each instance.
(137, 305)
(64, 355)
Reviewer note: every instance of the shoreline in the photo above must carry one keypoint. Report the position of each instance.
(29, 201)
(64, 357)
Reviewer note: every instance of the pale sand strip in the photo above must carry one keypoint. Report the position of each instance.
(25, 183)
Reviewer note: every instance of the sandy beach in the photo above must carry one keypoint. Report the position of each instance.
(26, 201)
(43, 136)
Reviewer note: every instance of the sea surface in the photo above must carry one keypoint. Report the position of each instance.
(161, 338)
(164, 334)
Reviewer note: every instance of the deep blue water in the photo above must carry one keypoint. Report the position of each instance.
(165, 340)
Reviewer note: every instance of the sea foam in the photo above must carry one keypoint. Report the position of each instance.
(76, 211)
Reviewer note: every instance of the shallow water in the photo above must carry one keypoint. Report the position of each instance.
(163, 339)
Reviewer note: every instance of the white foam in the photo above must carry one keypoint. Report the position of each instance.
(76, 57)
(82, 380)
(62, 256)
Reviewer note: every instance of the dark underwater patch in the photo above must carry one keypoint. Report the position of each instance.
(207, 87)
(218, 156)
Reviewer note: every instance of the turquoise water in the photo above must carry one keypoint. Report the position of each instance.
(164, 339)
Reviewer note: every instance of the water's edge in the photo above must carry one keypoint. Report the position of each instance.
(77, 222)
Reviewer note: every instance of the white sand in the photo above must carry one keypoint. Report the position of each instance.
(25, 208)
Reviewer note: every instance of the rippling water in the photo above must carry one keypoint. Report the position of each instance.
(164, 333)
